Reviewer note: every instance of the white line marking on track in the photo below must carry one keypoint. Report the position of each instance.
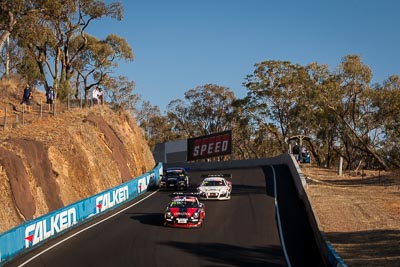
(279, 220)
(84, 229)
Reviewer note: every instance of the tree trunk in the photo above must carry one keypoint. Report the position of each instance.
(368, 148)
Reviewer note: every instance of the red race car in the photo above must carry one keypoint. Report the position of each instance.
(184, 211)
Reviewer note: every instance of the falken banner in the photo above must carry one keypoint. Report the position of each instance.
(207, 146)
(36, 232)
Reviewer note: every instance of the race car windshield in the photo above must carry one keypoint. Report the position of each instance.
(213, 183)
(183, 204)
(175, 172)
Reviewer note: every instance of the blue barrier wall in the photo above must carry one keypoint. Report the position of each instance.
(36, 232)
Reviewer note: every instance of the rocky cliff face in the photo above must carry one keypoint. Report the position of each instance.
(58, 160)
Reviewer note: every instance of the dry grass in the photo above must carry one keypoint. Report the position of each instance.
(359, 213)
(56, 159)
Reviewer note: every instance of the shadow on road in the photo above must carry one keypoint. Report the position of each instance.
(247, 189)
(217, 253)
(155, 219)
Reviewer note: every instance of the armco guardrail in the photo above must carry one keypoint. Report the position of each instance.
(328, 252)
(36, 232)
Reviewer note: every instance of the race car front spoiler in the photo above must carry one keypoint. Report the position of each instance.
(213, 195)
(190, 223)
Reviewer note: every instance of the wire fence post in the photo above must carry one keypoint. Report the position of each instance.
(68, 101)
(340, 171)
(5, 118)
(23, 114)
(81, 100)
(54, 104)
(41, 108)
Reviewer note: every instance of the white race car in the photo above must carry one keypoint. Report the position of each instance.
(215, 187)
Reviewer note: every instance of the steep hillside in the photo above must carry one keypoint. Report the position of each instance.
(52, 162)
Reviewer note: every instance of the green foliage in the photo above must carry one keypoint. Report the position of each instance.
(53, 34)
(341, 111)
(337, 110)
(206, 109)
(120, 92)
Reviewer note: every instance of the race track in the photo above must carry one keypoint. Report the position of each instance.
(240, 232)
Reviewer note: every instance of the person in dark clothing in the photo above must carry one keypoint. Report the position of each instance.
(26, 98)
(50, 97)
(296, 152)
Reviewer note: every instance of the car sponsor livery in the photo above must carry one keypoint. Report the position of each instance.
(174, 178)
(48, 227)
(185, 212)
(216, 187)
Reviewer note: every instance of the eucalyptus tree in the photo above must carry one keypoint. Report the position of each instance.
(318, 122)
(144, 115)
(253, 137)
(386, 99)
(350, 101)
(244, 128)
(280, 100)
(49, 34)
(180, 119)
(120, 92)
(156, 127)
(98, 59)
(12, 13)
(274, 89)
(206, 109)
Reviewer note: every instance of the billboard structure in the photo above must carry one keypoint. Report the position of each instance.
(169, 152)
(208, 146)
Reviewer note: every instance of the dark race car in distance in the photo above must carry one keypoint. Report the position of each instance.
(185, 212)
(174, 178)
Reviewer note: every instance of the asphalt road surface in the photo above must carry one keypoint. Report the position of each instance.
(242, 231)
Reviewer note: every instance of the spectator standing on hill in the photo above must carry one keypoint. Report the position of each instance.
(296, 152)
(50, 97)
(95, 96)
(100, 95)
(26, 98)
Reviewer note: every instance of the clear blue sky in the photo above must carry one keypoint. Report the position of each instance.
(181, 44)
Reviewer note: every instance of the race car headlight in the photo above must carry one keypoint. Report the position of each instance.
(196, 215)
(168, 214)
(223, 192)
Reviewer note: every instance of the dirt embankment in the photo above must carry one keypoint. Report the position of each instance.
(58, 160)
(359, 214)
